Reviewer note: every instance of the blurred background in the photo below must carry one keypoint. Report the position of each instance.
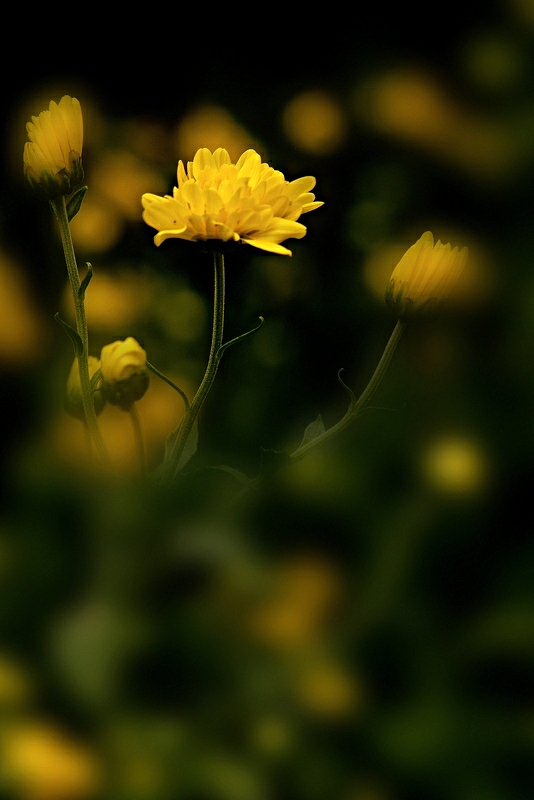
(362, 628)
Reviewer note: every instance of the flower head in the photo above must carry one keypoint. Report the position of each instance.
(424, 276)
(124, 372)
(248, 201)
(53, 156)
(73, 395)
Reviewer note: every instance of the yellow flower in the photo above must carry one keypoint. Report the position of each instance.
(124, 372)
(424, 276)
(248, 201)
(53, 156)
(73, 396)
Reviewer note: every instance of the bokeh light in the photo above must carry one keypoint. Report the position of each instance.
(211, 126)
(412, 106)
(456, 465)
(315, 122)
(22, 331)
(43, 763)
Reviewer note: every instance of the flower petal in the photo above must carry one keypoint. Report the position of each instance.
(270, 247)
(216, 199)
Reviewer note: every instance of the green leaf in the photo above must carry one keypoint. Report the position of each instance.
(86, 281)
(273, 461)
(314, 429)
(344, 385)
(95, 380)
(75, 203)
(74, 336)
(169, 443)
(235, 473)
(190, 446)
(239, 338)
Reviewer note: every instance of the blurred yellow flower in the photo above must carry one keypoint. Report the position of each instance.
(40, 762)
(424, 276)
(53, 156)
(297, 607)
(73, 395)
(326, 689)
(124, 372)
(456, 465)
(248, 201)
(314, 121)
(160, 410)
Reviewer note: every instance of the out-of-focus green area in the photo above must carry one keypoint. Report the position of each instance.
(362, 627)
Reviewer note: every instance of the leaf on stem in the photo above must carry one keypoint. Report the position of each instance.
(74, 336)
(347, 389)
(190, 447)
(314, 429)
(86, 281)
(95, 380)
(169, 443)
(239, 338)
(237, 474)
(272, 461)
(75, 203)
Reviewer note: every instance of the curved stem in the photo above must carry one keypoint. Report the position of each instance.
(170, 383)
(211, 369)
(357, 406)
(138, 434)
(81, 327)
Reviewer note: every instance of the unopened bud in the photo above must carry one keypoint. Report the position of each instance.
(125, 375)
(53, 156)
(73, 394)
(424, 276)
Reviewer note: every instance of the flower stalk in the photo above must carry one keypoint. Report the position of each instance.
(78, 294)
(192, 411)
(357, 406)
(138, 436)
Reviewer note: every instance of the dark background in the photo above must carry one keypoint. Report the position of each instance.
(362, 627)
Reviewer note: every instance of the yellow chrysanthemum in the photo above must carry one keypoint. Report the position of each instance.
(424, 276)
(248, 201)
(53, 156)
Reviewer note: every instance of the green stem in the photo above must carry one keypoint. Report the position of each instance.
(168, 381)
(138, 434)
(211, 369)
(357, 406)
(81, 327)
(355, 409)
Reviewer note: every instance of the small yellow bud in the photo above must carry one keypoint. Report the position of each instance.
(424, 276)
(124, 372)
(73, 395)
(53, 156)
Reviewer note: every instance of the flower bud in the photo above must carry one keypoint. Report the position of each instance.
(53, 156)
(73, 395)
(125, 375)
(424, 276)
